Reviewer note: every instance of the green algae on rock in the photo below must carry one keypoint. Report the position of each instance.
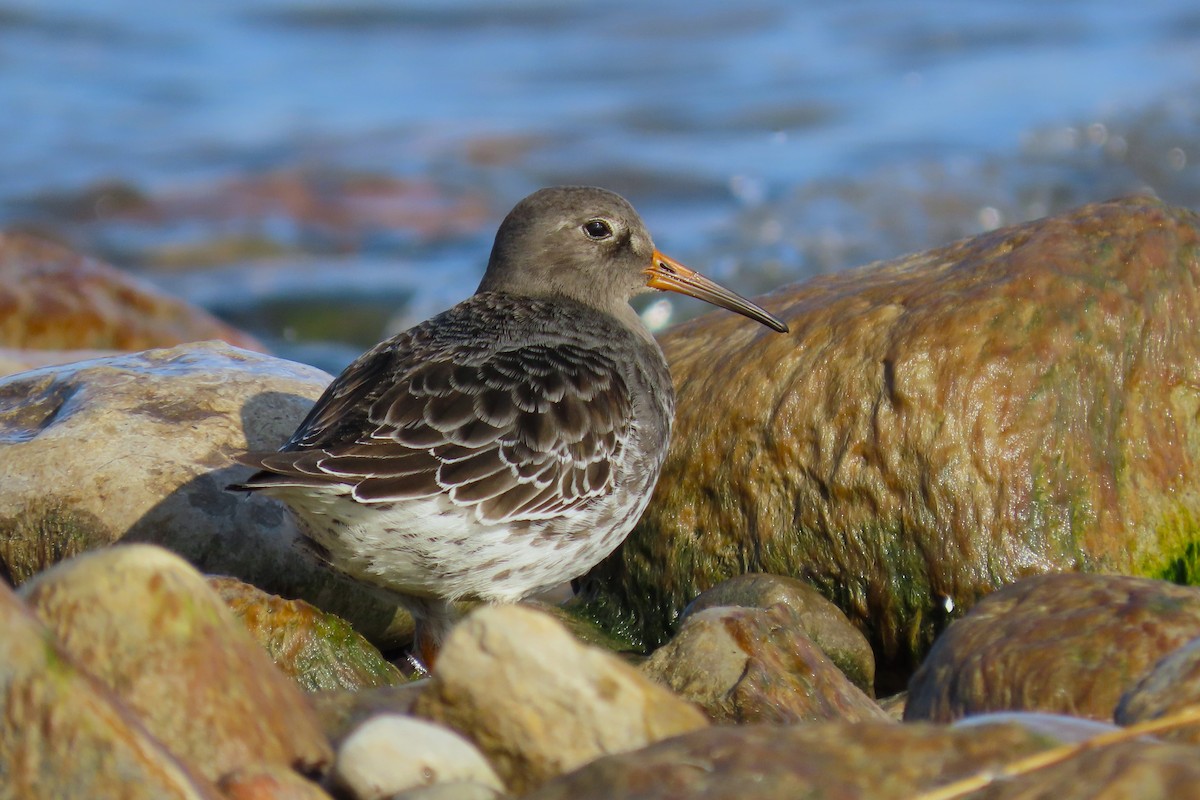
(936, 427)
(42, 533)
(320, 651)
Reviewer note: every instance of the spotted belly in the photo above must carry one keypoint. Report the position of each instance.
(431, 547)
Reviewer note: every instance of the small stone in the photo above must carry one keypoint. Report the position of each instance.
(756, 665)
(819, 619)
(1172, 685)
(1065, 643)
(391, 753)
(538, 703)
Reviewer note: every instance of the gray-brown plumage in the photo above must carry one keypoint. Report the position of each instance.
(509, 443)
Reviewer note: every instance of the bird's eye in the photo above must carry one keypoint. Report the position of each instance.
(597, 229)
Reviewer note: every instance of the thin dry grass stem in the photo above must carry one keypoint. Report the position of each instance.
(1056, 755)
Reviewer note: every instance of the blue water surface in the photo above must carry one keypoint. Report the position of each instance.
(705, 114)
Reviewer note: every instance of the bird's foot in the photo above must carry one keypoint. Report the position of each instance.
(419, 670)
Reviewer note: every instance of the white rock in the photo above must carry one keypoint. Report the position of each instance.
(390, 753)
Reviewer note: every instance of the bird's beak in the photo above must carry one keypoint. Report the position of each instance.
(668, 275)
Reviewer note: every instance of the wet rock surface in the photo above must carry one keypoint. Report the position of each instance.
(137, 448)
(1008, 480)
(54, 299)
(935, 427)
(548, 716)
(537, 703)
(1170, 686)
(1126, 771)
(756, 665)
(1066, 643)
(320, 651)
(146, 624)
(819, 619)
(63, 734)
(772, 762)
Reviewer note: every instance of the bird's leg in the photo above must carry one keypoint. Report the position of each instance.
(432, 621)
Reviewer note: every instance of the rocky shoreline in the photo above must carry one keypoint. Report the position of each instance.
(930, 545)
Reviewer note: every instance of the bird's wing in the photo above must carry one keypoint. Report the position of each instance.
(526, 433)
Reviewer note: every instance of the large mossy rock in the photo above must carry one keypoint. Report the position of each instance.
(935, 427)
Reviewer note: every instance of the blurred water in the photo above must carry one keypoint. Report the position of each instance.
(763, 141)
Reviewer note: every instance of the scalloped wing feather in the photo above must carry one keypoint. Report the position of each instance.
(529, 433)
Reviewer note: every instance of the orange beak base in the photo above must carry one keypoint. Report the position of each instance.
(668, 275)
